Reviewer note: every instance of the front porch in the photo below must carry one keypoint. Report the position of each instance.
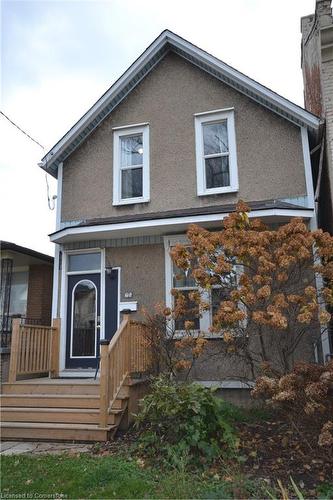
(37, 404)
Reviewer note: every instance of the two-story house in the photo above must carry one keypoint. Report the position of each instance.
(178, 139)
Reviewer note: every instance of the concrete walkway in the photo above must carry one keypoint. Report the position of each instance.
(39, 448)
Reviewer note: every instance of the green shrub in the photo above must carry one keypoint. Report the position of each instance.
(185, 422)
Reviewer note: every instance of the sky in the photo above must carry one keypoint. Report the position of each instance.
(59, 56)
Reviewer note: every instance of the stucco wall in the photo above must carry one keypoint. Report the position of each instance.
(269, 151)
(142, 273)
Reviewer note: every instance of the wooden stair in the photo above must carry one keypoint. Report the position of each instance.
(57, 409)
(74, 409)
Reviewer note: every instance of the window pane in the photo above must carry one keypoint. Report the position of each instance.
(191, 315)
(84, 319)
(131, 150)
(84, 262)
(218, 295)
(131, 183)
(217, 172)
(19, 293)
(215, 138)
(182, 279)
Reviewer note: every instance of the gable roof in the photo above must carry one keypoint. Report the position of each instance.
(164, 43)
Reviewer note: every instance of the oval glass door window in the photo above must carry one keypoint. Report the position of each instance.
(84, 319)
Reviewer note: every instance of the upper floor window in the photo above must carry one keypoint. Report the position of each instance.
(216, 155)
(131, 165)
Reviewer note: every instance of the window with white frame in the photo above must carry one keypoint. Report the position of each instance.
(216, 155)
(19, 292)
(185, 283)
(131, 165)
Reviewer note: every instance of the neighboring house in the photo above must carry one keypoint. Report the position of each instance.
(178, 139)
(25, 291)
(317, 66)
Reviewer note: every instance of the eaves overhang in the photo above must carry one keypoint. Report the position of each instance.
(18, 249)
(165, 226)
(166, 42)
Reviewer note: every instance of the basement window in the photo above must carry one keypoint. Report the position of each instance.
(131, 165)
(216, 155)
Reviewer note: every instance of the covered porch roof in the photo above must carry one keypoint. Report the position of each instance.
(174, 221)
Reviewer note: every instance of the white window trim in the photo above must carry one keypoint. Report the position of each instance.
(63, 298)
(117, 134)
(206, 319)
(63, 302)
(211, 117)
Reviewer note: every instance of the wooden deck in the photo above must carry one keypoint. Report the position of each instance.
(71, 409)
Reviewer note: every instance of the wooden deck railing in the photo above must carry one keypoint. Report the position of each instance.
(126, 353)
(34, 350)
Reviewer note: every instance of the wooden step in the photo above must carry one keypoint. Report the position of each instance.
(51, 388)
(54, 432)
(59, 415)
(115, 417)
(120, 402)
(50, 400)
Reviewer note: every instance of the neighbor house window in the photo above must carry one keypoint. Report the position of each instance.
(216, 155)
(19, 292)
(131, 165)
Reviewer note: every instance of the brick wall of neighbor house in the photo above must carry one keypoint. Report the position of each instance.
(39, 301)
(317, 66)
(269, 148)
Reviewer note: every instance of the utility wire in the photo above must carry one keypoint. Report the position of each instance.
(50, 203)
(21, 130)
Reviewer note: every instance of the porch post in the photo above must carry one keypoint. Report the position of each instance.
(14, 350)
(55, 348)
(104, 383)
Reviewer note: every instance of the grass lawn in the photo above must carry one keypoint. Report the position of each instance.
(88, 476)
(112, 476)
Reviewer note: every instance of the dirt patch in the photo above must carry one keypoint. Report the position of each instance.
(273, 451)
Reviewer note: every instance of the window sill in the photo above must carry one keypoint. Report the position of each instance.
(208, 192)
(131, 201)
(196, 333)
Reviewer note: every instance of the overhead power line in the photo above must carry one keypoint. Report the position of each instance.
(51, 204)
(21, 130)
